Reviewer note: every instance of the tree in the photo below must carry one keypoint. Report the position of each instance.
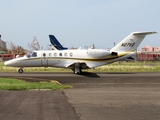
(15, 49)
(3, 46)
(12, 48)
(34, 45)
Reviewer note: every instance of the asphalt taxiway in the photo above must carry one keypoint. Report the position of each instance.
(94, 96)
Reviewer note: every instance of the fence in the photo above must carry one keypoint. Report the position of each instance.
(148, 57)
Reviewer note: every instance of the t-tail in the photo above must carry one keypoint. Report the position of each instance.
(130, 43)
(56, 43)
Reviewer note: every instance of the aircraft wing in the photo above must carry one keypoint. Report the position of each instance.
(81, 65)
(84, 65)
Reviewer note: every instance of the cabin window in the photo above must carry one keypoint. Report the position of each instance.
(60, 54)
(50, 55)
(34, 54)
(65, 54)
(44, 54)
(28, 54)
(71, 54)
(55, 54)
(31, 54)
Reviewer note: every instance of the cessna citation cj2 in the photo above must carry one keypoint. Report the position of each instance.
(81, 58)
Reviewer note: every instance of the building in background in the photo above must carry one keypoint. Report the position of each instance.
(149, 53)
(150, 49)
(3, 46)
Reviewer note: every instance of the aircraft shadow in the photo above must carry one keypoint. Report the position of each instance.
(89, 74)
(120, 73)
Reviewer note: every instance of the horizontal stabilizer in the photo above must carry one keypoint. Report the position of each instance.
(144, 33)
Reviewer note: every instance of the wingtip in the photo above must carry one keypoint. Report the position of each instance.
(144, 32)
(154, 32)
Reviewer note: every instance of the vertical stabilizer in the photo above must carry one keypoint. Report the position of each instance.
(131, 42)
(56, 43)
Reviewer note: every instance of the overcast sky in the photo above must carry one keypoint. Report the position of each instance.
(78, 23)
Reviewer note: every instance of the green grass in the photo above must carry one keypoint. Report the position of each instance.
(131, 67)
(32, 69)
(114, 67)
(15, 84)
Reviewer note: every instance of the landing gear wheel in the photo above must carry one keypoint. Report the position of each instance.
(77, 68)
(77, 71)
(20, 70)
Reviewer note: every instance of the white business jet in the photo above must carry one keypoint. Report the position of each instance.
(81, 58)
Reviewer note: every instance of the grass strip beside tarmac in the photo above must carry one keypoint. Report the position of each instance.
(15, 84)
(121, 66)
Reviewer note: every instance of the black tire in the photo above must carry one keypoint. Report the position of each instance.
(20, 71)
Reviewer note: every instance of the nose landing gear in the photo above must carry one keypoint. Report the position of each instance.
(20, 70)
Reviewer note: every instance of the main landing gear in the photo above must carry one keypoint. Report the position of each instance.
(77, 69)
(20, 70)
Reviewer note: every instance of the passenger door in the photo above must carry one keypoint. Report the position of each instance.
(44, 59)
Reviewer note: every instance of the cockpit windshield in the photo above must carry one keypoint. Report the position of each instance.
(31, 54)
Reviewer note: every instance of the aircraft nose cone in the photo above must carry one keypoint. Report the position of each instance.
(6, 63)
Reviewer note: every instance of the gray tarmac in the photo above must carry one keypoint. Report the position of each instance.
(94, 96)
